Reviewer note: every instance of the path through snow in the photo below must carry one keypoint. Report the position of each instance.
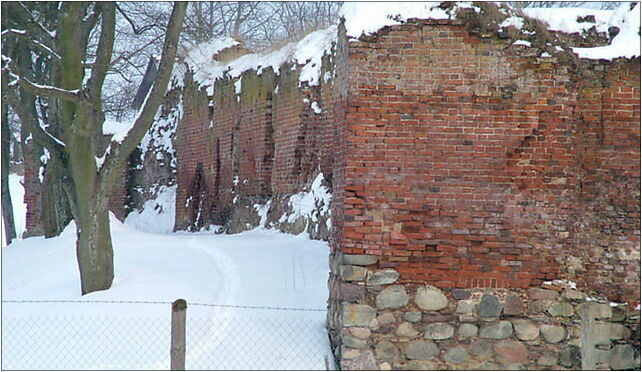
(258, 268)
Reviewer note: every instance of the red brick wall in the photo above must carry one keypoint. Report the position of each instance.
(267, 136)
(31, 182)
(192, 149)
(463, 160)
(607, 227)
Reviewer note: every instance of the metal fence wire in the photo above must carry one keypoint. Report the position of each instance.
(246, 338)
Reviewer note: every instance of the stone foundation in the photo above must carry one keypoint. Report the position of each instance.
(386, 324)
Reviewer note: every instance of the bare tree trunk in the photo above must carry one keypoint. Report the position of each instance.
(7, 206)
(94, 248)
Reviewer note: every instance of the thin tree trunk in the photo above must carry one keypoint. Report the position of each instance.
(94, 249)
(7, 206)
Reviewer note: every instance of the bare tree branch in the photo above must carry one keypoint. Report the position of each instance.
(137, 31)
(54, 145)
(38, 44)
(105, 46)
(34, 26)
(119, 152)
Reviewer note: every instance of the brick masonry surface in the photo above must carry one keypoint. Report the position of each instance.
(469, 165)
(472, 163)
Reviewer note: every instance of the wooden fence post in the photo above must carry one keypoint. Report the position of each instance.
(177, 352)
(587, 337)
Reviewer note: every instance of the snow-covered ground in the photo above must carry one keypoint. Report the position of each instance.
(258, 268)
(17, 202)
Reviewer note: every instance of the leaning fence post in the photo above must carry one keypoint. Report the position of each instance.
(587, 337)
(177, 352)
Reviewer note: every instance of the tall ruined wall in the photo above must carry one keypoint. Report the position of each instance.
(262, 137)
(475, 163)
(606, 233)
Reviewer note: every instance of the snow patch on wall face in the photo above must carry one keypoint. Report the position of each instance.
(308, 52)
(309, 204)
(517, 22)
(44, 159)
(157, 215)
(159, 137)
(262, 210)
(316, 108)
(522, 42)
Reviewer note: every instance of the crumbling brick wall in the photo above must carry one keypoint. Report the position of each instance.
(467, 165)
(605, 245)
(470, 162)
(247, 146)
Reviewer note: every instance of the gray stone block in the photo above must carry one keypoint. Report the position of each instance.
(624, 357)
(457, 355)
(525, 330)
(392, 298)
(467, 330)
(572, 294)
(465, 307)
(460, 294)
(497, 331)
(430, 298)
(354, 342)
(365, 361)
(513, 305)
(559, 308)
(481, 348)
(406, 329)
(570, 357)
(358, 259)
(412, 316)
(381, 277)
(352, 292)
(351, 273)
(385, 350)
(489, 307)
(542, 294)
(552, 334)
(421, 350)
(439, 331)
(597, 310)
(357, 315)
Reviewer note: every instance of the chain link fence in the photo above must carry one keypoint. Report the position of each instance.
(218, 337)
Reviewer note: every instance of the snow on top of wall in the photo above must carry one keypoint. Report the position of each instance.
(308, 52)
(200, 58)
(364, 18)
(565, 19)
(367, 18)
(626, 43)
